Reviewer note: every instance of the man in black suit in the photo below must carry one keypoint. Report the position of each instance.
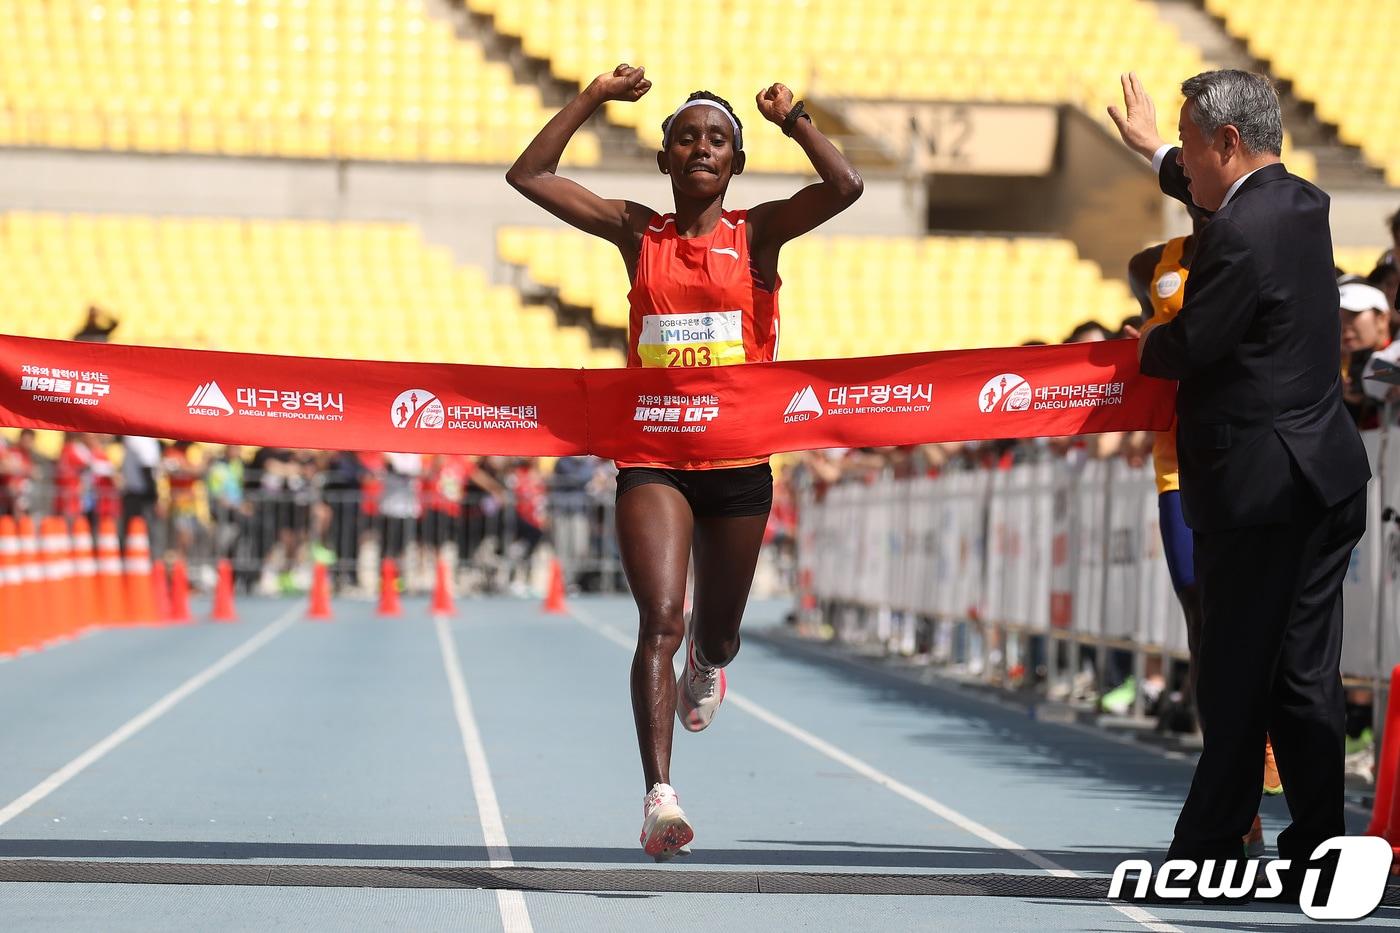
(1273, 472)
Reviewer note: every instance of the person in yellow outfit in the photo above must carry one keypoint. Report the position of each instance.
(1158, 277)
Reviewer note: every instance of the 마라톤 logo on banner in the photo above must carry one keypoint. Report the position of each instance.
(1005, 392)
(417, 408)
(209, 400)
(803, 407)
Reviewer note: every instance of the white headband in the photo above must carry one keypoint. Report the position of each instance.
(702, 102)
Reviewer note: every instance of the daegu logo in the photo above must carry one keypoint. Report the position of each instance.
(1354, 890)
(1006, 392)
(417, 408)
(209, 400)
(803, 406)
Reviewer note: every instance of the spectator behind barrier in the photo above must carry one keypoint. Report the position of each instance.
(1386, 277)
(1365, 315)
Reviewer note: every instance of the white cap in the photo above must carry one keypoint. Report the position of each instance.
(1358, 296)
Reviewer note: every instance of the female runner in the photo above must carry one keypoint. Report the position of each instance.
(699, 262)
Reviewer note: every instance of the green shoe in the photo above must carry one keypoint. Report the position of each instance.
(286, 583)
(1120, 699)
(1362, 742)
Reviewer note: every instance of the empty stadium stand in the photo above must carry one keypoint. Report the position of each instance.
(863, 296)
(1336, 55)
(363, 79)
(1068, 51)
(356, 290)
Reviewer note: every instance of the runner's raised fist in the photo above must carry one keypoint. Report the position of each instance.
(623, 83)
(774, 102)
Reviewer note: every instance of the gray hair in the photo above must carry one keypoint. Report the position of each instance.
(1242, 99)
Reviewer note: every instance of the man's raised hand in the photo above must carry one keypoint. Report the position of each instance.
(1137, 121)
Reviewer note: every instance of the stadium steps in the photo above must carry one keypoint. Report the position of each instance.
(566, 314)
(618, 143)
(1339, 166)
(1025, 288)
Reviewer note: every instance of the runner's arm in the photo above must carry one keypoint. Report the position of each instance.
(534, 172)
(776, 222)
(1140, 269)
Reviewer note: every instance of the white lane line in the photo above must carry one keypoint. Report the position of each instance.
(868, 771)
(143, 719)
(514, 916)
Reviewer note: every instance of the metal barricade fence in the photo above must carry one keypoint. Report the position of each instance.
(273, 538)
(1055, 565)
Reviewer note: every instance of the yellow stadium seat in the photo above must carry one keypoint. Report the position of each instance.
(848, 296)
(373, 291)
(1010, 50)
(322, 78)
(298, 78)
(1335, 55)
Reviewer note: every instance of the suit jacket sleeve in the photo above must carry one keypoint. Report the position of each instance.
(1172, 177)
(1222, 296)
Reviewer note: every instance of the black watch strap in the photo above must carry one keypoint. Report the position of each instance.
(798, 112)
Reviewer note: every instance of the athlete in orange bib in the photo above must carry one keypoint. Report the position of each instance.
(704, 293)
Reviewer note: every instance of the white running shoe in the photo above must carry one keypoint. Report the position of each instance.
(665, 830)
(699, 691)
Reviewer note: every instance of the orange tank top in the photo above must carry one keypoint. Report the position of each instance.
(697, 301)
(1168, 289)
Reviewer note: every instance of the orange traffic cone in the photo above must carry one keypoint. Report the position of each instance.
(111, 592)
(442, 591)
(1385, 812)
(160, 592)
(320, 594)
(180, 592)
(554, 603)
(57, 618)
(71, 597)
(223, 610)
(136, 566)
(389, 604)
(85, 565)
(9, 588)
(31, 587)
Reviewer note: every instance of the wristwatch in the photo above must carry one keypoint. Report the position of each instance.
(798, 112)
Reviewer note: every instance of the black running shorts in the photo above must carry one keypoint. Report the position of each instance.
(723, 493)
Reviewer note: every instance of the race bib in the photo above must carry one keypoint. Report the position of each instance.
(1168, 284)
(711, 338)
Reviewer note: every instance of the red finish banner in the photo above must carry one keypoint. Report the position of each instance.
(629, 414)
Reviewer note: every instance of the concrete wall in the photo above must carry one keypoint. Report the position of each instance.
(1359, 217)
(1107, 201)
(1097, 194)
(459, 206)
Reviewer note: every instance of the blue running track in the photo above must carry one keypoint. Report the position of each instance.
(186, 773)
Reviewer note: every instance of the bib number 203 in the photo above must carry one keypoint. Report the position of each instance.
(689, 356)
